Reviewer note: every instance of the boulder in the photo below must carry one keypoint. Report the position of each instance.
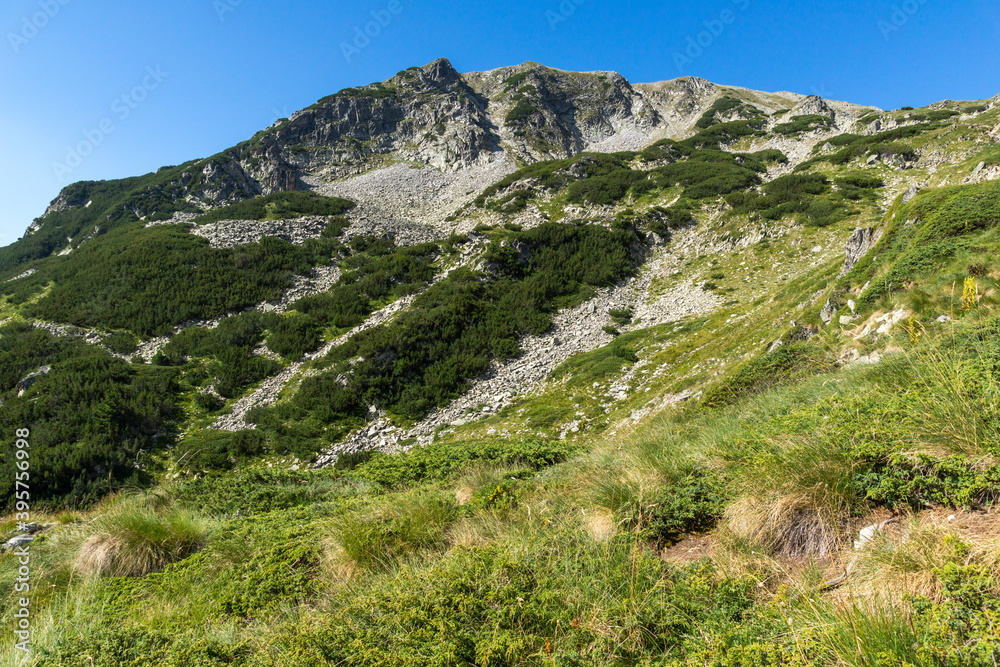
(15, 542)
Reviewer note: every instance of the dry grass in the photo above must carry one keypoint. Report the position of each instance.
(795, 500)
(901, 559)
(599, 525)
(133, 540)
(790, 525)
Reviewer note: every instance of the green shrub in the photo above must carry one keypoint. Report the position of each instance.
(144, 647)
(621, 316)
(281, 206)
(237, 368)
(89, 417)
(208, 402)
(121, 342)
(624, 352)
(723, 106)
(691, 505)
(522, 111)
(257, 490)
(861, 181)
(375, 91)
(268, 563)
(376, 272)
(230, 346)
(426, 355)
(934, 116)
(212, 449)
(919, 481)
(336, 226)
(806, 123)
(960, 628)
(294, 336)
(885, 144)
(104, 205)
(110, 282)
(440, 461)
(792, 194)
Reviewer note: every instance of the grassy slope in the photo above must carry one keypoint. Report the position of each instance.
(484, 551)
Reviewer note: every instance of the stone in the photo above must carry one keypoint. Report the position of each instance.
(943, 319)
(828, 311)
(846, 319)
(858, 245)
(869, 359)
(26, 383)
(15, 542)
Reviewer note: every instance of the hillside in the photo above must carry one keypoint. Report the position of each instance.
(519, 367)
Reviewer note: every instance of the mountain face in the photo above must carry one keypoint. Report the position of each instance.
(436, 117)
(439, 252)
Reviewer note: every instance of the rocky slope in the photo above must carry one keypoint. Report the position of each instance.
(416, 151)
(458, 133)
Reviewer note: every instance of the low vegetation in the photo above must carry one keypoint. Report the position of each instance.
(278, 206)
(111, 285)
(427, 354)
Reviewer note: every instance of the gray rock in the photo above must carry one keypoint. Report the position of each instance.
(910, 194)
(15, 542)
(828, 311)
(858, 245)
(26, 382)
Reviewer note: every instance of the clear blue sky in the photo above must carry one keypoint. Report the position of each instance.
(228, 68)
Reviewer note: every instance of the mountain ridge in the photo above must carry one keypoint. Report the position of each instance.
(264, 169)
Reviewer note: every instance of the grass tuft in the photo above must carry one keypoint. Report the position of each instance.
(134, 540)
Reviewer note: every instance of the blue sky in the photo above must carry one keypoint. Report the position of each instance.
(151, 84)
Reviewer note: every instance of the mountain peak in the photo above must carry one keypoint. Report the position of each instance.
(441, 69)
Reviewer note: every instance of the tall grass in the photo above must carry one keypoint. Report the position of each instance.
(863, 633)
(904, 562)
(957, 400)
(134, 539)
(404, 524)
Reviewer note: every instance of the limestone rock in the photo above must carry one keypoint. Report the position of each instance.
(858, 245)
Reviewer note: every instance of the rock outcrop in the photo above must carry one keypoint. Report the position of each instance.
(858, 245)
